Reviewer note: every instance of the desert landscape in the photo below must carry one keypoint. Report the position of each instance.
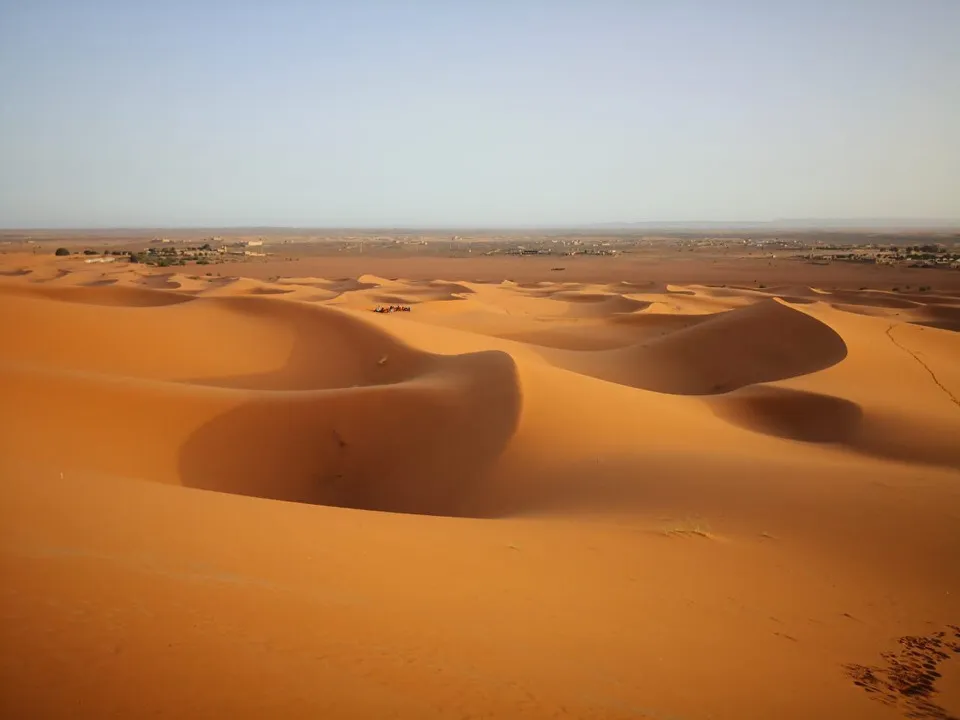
(721, 483)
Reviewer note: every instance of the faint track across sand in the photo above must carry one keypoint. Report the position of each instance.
(933, 376)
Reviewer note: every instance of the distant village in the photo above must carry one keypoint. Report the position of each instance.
(917, 251)
(165, 252)
(914, 256)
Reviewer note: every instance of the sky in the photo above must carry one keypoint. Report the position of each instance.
(304, 113)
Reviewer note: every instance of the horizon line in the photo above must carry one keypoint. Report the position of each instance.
(779, 223)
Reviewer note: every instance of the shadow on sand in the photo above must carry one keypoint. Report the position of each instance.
(815, 418)
(419, 438)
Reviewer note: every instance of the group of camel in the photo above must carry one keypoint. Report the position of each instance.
(392, 308)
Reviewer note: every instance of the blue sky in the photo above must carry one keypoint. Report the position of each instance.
(469, 112)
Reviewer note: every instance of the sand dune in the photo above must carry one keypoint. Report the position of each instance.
(937, 316)
(336, 286)
(759, 343)
(164, 281)
(237, 496)
(240, 342)
(413, 296)
(126, 296)
(811, 417)
(360, 419)
(391, 447)
(591, 305)
(649, 322)
(442, 285)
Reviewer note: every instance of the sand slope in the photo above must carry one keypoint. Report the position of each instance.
(759, 343)
(350, 415)
(604, 501)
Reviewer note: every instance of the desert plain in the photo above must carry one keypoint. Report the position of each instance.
(644, 487)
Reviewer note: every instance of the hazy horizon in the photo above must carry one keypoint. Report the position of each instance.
(450, 115)
(906, 225)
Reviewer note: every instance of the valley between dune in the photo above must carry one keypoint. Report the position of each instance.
(230, 497)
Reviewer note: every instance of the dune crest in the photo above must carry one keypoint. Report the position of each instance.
(759, 343)
(329, 408)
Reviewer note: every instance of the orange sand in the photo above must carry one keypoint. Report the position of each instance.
(240, 498)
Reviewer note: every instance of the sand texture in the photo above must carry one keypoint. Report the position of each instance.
(242, 497)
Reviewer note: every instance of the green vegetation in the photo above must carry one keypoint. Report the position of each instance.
(62, 251)
(914, 256)
(168, 256)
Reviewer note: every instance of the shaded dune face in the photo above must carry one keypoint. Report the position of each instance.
(269, 291)
(441, 287)
(342, 285)
(606, 333)
(588, 305)
(938, 312)
(942, 317)
(817, 418)
(405, 298)
(575, 304)
(249, 396)
(663, 323)
(872, 299)
(421, 446)
(420, 292)
(758, 343)
(791, 414)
